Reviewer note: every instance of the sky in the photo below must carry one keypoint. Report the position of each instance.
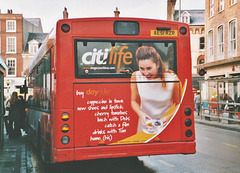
(52, 10)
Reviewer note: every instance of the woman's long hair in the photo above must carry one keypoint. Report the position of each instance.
(147, 52)
(14, 97)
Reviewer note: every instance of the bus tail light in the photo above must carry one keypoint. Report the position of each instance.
(65, 116)
(188, 133)
(65, 28)
(187, 111)
(65, 128)
(188, 122)
(65, 140)
(183, 30)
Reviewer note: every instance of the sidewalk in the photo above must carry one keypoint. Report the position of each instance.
(215, 123)
(15, 156)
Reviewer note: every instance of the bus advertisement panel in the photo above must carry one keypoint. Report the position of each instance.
(130, 111)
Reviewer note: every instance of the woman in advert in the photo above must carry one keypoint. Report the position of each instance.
(154, 88)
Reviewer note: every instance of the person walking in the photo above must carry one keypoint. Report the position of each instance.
(14, 118)
(197, 101)
(22, 113)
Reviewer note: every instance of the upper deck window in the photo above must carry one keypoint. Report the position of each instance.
(126, 28)
(109, 59)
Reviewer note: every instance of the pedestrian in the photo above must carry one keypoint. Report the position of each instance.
(14, 117)
(229, 107)
(6, 113)
(197, 101)
(22, 113)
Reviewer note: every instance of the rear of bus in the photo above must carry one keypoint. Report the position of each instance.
(95, 63)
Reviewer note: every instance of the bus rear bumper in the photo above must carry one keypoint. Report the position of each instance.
(88, 153)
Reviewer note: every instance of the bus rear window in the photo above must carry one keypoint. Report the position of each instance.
(110, 59)
(126, 28)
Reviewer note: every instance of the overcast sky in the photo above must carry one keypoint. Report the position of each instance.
(51, 10)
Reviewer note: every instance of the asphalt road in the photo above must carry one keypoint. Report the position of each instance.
(218, 150)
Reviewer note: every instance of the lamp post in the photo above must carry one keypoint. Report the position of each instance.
(179, 18)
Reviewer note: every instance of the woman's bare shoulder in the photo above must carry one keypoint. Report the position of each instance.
(133, 77)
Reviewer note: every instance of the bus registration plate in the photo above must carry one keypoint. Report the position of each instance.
(162, 33)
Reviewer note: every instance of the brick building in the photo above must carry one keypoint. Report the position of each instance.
(13, 31)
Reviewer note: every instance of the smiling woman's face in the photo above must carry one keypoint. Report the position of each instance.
(148, 68)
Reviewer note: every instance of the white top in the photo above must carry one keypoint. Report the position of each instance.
(156, 99)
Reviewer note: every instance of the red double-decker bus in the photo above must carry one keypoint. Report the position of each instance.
(112, 87)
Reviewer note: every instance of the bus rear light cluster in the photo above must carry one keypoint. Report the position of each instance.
(65, 140)
(65, 128)
(188, 122)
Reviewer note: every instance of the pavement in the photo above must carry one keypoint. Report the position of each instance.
(15, 155)
(214, 122)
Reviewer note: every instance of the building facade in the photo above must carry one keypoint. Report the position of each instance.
(196, 21)
(223, 38)
(31, 46)
(13, 30)
(222, 60)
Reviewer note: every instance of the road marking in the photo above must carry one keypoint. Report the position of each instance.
(168, 164)
(230, 145)
(208, 139)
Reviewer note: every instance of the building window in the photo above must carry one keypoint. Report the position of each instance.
(211, 8)
(220, 43)
(33, 49)
(0, 45)
(232, 2)
(202, 42)
(11, 63)
(11, 44)
(210, 46)
(233, 38)
(220, 5)
(10, 26)
(185, 17)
